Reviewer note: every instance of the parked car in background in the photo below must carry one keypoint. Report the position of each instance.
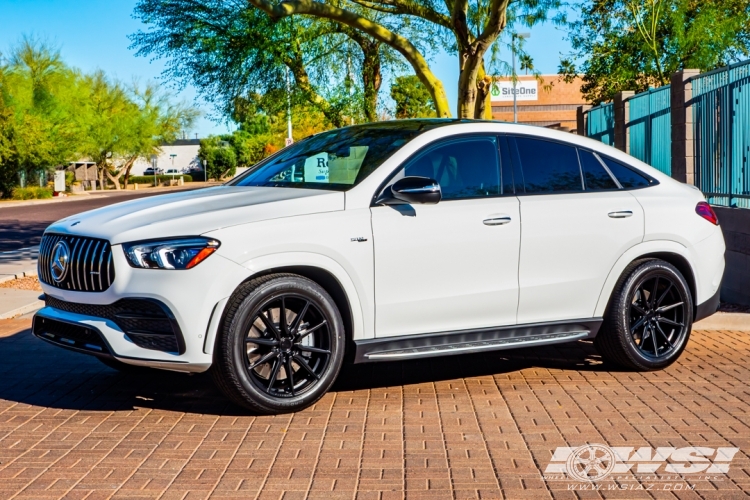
(388, 241)
(172, 171)
(152, 171)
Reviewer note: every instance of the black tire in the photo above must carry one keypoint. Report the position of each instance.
(643, 330)
(256, 351)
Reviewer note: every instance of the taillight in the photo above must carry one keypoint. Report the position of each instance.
(704, 210)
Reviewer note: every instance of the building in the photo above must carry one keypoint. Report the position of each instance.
(550, 102)
(181, 155)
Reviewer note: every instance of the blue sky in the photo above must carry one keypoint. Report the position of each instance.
(92, 34)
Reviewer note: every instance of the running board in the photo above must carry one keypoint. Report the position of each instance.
(494, 339)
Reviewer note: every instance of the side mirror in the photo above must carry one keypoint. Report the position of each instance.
(421, 190)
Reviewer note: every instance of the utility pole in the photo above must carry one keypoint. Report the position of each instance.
(515, 78)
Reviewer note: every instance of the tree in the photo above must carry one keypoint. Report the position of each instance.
(229, 51)
(220, 157)
(153, 121)
(411, 97)
(39, 123)
(635, 44)
(475, 26)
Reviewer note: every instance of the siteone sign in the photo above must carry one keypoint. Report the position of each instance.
(525, 91)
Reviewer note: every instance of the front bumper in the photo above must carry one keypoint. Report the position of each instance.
(191, 299)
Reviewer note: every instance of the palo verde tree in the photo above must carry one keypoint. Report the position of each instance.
(636, 44)
(40, 125)
(231, 52)
(475, 27)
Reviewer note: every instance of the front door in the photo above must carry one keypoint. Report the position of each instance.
(454, 265)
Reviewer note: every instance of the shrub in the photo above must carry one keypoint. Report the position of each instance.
(31, 193)
(149, 179)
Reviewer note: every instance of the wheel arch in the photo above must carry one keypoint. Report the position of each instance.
(668, 251)
(326, 272)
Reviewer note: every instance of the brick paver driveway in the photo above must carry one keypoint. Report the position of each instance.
(463, 427)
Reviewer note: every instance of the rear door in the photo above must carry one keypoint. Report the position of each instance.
(576, 222)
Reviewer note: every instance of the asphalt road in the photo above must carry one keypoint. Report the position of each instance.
(22, 226)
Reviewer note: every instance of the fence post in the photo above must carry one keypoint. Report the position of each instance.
(622, 117)
(581, 119)
(683, 154)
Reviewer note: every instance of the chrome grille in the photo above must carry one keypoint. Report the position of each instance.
(90, 266)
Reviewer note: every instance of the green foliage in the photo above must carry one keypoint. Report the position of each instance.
(412, 98)
(149, 179)
(635, 44)
(51, 114)
(220, 157)
(31, 193)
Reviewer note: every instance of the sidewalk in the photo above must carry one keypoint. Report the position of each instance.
(18, 302)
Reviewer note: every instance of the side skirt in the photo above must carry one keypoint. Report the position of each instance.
(468, 341)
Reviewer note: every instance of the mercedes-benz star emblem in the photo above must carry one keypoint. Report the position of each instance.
(58, 265)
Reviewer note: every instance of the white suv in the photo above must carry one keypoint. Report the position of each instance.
(388, 241)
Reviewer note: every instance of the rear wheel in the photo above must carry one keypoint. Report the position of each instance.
(649, 319)
(282, 344)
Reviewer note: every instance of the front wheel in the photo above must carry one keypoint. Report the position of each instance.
(282, 344)
(649, 319)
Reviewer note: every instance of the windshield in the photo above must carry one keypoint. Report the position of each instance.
(334, 160)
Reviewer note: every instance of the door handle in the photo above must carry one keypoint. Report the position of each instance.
(620, 214)
(497, 221)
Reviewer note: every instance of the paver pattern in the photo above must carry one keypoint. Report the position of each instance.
(474, 426)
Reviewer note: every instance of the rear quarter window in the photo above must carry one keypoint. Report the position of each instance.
(626, 176)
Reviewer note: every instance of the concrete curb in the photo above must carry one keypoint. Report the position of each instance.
(22, 274)
(725, 321)
(19, 311)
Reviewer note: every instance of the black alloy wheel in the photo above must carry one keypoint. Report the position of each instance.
(288, 346)
(281, 345)
(649, 318)
(657, 316)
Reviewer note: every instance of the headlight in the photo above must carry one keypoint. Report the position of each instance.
(183, 253)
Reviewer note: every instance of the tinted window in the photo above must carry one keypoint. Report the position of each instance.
(627, 177)
(594, 175)
(465, 168)
(337, 159)
(548, 167)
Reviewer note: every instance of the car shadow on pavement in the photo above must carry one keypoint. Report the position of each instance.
(33, 372)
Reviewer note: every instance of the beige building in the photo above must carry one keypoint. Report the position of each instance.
(546, 103)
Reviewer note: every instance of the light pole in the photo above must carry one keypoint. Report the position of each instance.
(153, 167)
(289, 139)
(515, 79)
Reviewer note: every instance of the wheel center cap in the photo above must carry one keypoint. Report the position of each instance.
(286, 344)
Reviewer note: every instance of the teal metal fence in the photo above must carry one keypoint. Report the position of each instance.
(600, 124)
(650, 127)
(721, 134)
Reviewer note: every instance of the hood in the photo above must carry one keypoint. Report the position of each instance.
(191, 213)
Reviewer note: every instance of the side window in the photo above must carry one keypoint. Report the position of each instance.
(548, 167)
(464, 168)
(627, 177)
(595, 176)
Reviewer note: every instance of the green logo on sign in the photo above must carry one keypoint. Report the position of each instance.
(495, 90)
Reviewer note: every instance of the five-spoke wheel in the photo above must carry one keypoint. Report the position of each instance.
(649, 318)
(282, 344)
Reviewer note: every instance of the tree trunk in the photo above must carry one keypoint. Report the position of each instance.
(371, 79)
(467, 83)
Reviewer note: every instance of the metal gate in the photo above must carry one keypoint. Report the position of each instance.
(721, 134)
(600, 123)
(650, 128)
